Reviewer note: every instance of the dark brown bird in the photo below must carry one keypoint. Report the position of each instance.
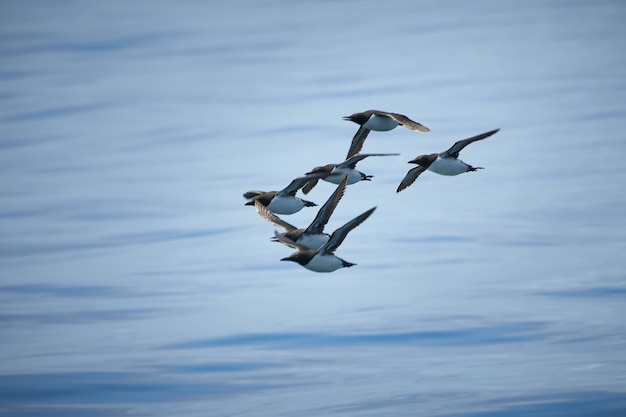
(333, 173)
(313, 237)
(444, 163)
(379, 121)
(283, 201)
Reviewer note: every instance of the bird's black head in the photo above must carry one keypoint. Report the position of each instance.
(423, 160)
(300, 257)
(358, 118)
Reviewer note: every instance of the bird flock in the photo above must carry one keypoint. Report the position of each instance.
(315, 249)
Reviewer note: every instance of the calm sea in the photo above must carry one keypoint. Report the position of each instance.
(134, 281)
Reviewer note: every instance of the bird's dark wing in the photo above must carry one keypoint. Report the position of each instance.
(288, 242)
(357, 141)
(454, 150)
(324, 213)
(405, 121)
(272, 218)
(251, 194)
(353, 160)
(410, 177)
(295, 185)
(340, 234)
(310, 185)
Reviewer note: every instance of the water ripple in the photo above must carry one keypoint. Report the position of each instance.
(458, 337)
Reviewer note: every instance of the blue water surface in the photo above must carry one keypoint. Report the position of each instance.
(134, 281)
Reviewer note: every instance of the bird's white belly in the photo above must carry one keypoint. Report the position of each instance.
(324, 263)
(380, 123)
(448, 166)
(337, 175)
(313, 241)
(285, 205)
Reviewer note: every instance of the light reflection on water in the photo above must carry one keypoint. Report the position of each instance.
(134, 280)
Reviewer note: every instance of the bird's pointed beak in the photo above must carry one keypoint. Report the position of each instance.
(346, 118)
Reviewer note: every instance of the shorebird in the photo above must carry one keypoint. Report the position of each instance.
(324, 258)
(283, 201)
(334, 173)
(379, 121)
(313, 237)
(444, 163)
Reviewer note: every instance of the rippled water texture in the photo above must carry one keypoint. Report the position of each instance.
(134, 281)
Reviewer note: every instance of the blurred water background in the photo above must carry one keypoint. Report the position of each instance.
(134, 281)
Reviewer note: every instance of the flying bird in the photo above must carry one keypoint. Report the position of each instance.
(283, 201)
(324, 258)
(334, 173)
(313, 237)
(380, 121)
(444, 163)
